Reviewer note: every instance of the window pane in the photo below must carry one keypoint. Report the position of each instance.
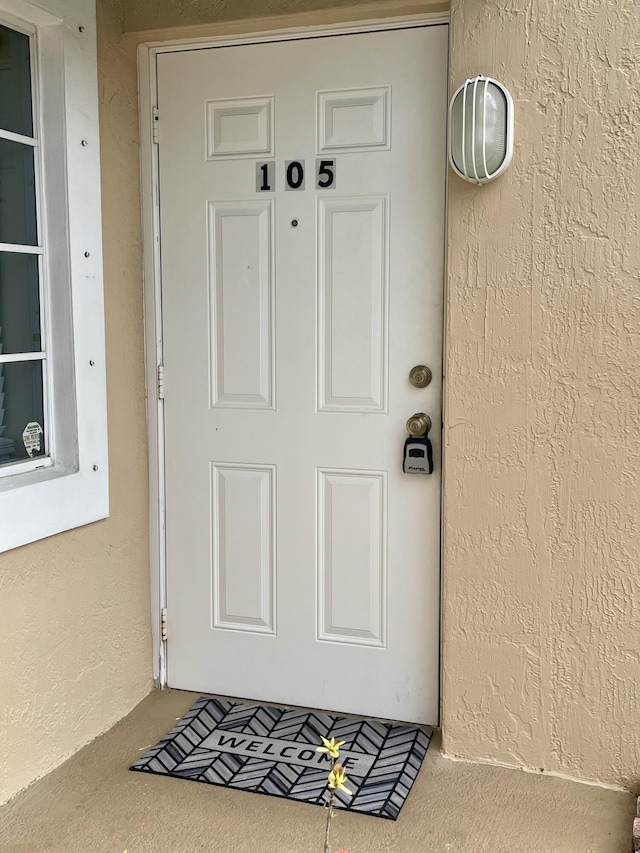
(17, 194)
(15, 83)
(21, 404)
(19, 303)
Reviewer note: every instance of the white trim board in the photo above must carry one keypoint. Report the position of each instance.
(147, 85)
(302, 32)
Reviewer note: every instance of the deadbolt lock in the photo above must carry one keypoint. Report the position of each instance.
(418, 424)
(420, 376)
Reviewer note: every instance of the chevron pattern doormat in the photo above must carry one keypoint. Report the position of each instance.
(273, 751)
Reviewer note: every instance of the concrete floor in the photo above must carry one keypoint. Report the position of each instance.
(94, 805)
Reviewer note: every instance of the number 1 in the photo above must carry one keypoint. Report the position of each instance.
(265, 173)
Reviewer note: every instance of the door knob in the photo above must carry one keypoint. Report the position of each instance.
(417, 457)
(419, 424)
(420, 376)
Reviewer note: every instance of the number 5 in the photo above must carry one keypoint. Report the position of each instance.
(325, 174)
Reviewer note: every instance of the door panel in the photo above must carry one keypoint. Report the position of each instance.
(303, 565)
(353, 238)
(241, 298)
(352, 583)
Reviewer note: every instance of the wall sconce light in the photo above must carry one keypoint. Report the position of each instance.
(480, 130)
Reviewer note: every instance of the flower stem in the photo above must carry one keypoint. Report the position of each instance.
(328, 827)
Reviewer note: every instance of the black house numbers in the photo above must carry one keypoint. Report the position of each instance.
(294, 175)
(266, 177)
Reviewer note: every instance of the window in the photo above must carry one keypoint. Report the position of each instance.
(53, 447)
(23, 431)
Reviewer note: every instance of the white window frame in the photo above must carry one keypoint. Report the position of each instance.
(70, 488)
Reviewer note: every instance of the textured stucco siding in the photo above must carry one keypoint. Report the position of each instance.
(75, 652)
(542, 552)
(541, 656)
(158, 14)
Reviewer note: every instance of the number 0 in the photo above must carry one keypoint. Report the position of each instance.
(295, 175)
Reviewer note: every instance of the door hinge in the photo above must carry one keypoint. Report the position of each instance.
(163, 624)
(161, 382)
(156, 126)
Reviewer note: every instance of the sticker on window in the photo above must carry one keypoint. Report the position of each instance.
(32, 437)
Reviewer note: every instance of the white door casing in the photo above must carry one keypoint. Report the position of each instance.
(302, 564)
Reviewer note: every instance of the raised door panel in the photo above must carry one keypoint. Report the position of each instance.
(241, 304)
(239, 128)
(243, 547)
(352, 120)
(351, 565)
(352, 304)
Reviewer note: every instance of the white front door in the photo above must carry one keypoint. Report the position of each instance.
(302, 195)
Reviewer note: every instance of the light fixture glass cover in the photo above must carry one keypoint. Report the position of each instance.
(480, 130)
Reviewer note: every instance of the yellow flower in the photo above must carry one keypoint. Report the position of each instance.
(331, 746)
(337, 779)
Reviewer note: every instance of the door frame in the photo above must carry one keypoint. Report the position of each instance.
(232, 33)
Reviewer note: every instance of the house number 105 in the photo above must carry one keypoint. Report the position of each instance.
(294, 175)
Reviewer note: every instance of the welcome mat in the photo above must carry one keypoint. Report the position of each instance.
(272, 751)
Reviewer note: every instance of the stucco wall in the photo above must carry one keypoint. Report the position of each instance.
(75, 650)
(541, 657)
(143, 15)
(541, 650)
